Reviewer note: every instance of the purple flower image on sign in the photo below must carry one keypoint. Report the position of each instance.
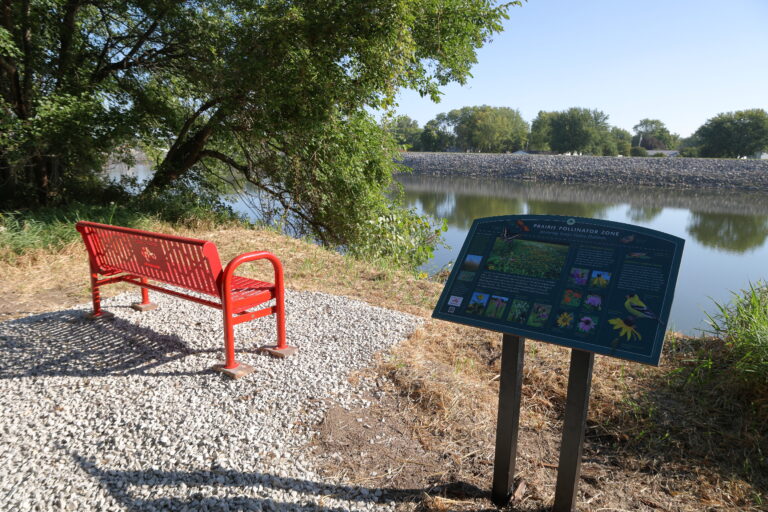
(587, 324)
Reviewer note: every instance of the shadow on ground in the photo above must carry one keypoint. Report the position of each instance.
(65, 343)
(309, 495)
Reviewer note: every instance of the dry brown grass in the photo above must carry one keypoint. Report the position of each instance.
(655, 440)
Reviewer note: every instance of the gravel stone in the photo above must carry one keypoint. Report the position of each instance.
(125, 414)
(676, 172)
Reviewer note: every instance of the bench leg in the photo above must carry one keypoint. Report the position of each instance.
(231, 368)
(96, 297)
(144, 305)
(282, 349)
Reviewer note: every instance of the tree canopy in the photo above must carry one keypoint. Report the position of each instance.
(274, 91)
(581, 130)
(405, 131)
(653, 134)
(734, 134)
(478, 129)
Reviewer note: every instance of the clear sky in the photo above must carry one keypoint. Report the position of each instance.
(680, 61)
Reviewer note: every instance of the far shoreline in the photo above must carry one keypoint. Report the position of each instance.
(673, 172)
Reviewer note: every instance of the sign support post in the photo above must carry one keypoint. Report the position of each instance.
(574, 426)
(508, 419)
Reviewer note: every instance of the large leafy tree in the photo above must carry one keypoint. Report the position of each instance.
(734, 134)
(274, 91)
(405, 131)
(437, 134)
(479, 128)
(541, 131)
(579, 130)
(653, 134)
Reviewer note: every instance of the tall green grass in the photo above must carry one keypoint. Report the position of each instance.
(743, 326)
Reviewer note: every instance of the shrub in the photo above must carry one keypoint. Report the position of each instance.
(638, 151)
(690, 152)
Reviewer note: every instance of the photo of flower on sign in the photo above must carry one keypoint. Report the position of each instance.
(590, 284)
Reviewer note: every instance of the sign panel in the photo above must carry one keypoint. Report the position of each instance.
(594, 285)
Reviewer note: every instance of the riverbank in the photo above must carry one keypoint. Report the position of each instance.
(705, 173)
(422, 434)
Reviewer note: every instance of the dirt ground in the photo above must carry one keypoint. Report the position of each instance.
(653, 443)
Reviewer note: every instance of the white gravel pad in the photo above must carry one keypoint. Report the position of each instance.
(125, 414)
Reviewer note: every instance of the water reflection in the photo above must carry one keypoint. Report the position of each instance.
(728, 221)
(727, 231)
(643, 213)
(594, 210)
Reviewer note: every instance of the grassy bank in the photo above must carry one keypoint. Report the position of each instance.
(23, 232)
(678, 437)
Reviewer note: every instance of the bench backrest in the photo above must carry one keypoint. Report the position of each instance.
(175, 260)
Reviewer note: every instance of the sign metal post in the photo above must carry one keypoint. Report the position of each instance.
(510, 395)
(574, 425)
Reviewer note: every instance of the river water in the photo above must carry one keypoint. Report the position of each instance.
(725, 232)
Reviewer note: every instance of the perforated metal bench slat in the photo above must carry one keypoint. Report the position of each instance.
(174, 260)
(250, 290)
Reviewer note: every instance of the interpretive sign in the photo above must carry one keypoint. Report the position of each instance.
(593, 285)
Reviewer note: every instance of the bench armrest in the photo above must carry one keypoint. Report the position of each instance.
(229, 271)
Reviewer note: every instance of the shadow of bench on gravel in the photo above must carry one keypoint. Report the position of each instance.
(64, 343)
(310, 495)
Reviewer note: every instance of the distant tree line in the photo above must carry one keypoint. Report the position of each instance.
(578, 131)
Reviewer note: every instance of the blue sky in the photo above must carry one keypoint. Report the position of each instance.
(681, 61)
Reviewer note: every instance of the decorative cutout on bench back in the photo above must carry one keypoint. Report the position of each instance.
(185, 262)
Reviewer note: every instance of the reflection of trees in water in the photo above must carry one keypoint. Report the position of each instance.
(464, 208)
(642, 213)
(568, 209)
(430, 202)
(469, 208)
(730, 232)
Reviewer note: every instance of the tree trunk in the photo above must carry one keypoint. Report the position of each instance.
(179, 159)
(41, 173)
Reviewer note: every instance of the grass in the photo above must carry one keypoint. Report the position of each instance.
(743, 327)
(52, 229)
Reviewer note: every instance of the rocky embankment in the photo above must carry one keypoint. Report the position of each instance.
(649, 171)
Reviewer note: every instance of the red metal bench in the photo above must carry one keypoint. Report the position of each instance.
(134, 256)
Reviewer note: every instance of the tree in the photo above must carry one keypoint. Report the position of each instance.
(623, 140)
(274, 91)
(578, 130)
(405, 131)
(541, 131)
(734, 134)
(653, 134)
(437, 135)
(479, 128)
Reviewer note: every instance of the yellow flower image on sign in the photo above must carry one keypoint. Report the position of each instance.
(626, 327)
(564, 320)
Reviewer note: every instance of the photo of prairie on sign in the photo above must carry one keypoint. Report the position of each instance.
(527, 258)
